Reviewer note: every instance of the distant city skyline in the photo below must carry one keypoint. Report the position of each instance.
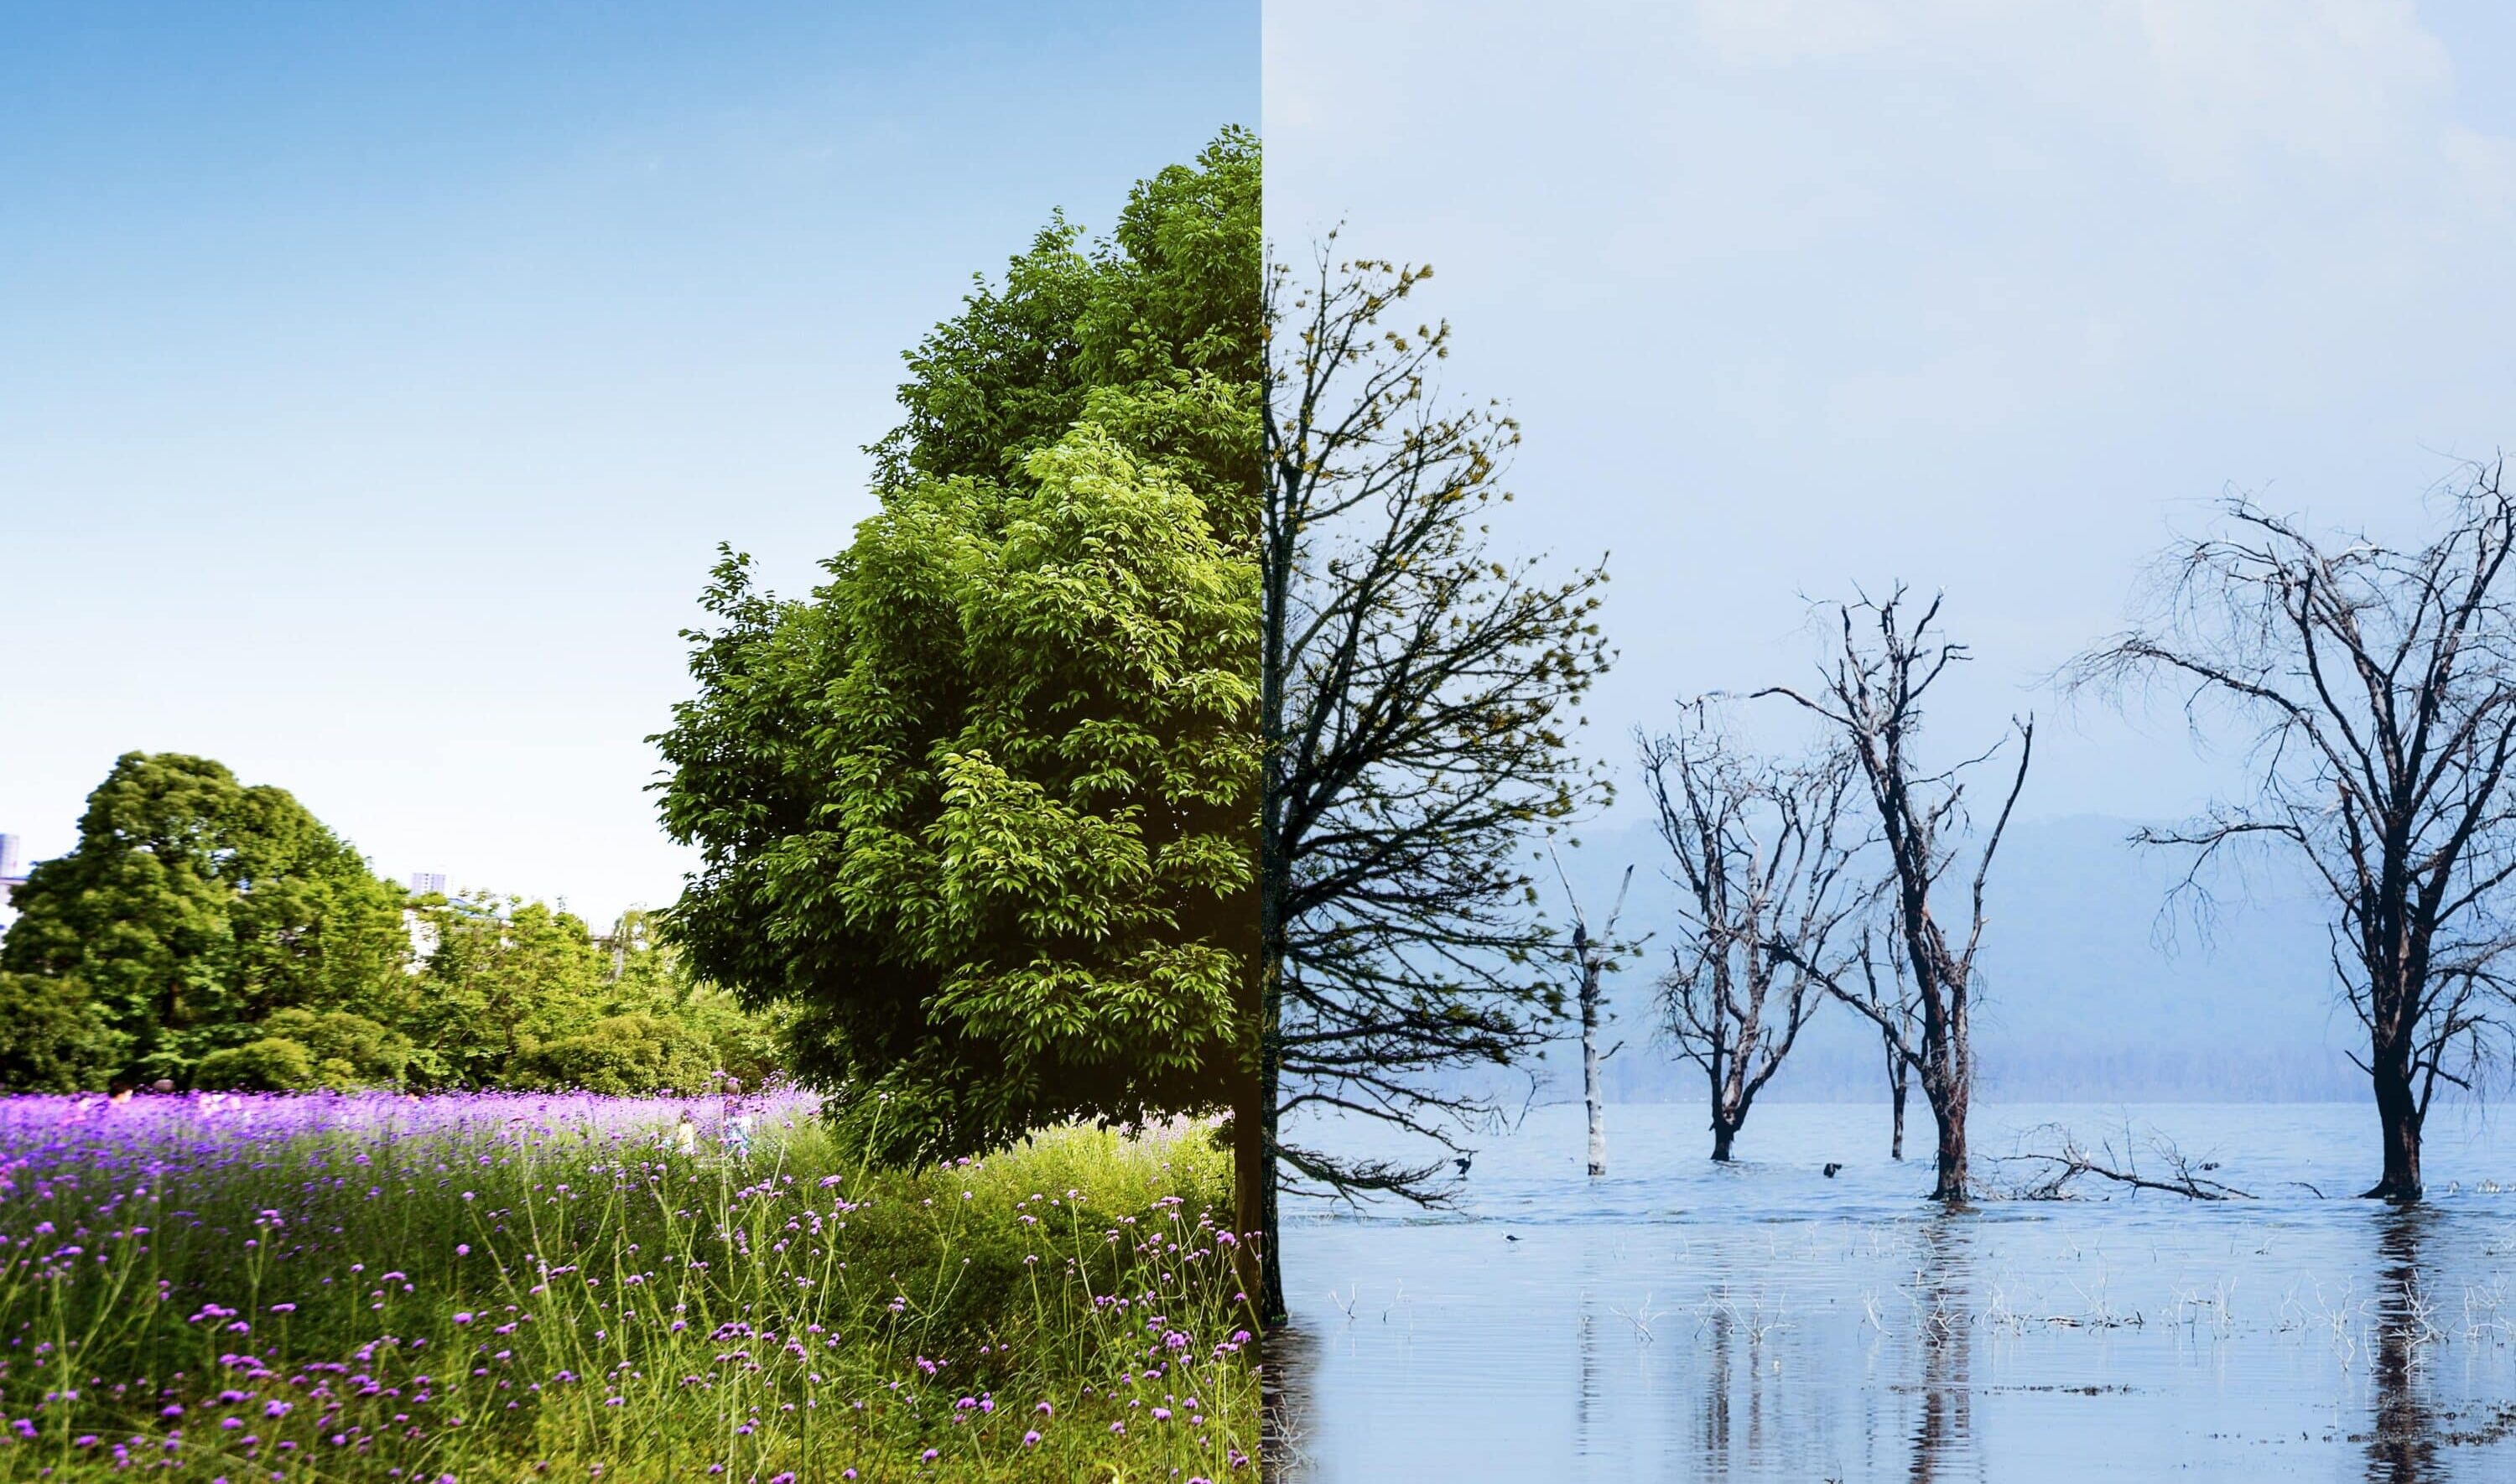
(321, 318)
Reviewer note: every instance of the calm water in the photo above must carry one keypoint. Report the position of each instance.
(1682, 1321)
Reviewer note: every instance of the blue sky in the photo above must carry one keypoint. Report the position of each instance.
(1986, 295)
(379, 379)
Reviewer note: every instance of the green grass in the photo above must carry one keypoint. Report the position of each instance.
(573, 1297)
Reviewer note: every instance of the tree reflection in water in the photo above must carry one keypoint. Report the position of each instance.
(1944, 1337)
(2402, 1445)
(1286, 1358)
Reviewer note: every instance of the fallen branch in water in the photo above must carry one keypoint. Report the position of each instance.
(2070, 1162)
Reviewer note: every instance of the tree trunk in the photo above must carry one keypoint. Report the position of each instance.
(1597, 1104)
(1896, 1142)
(1255, 1111)
(1256, 1188)
(1271, 1260)
(1591, 1096)
(1949, 1112)
(1249, 1185)
(1723, 1132)
(2398, 1112)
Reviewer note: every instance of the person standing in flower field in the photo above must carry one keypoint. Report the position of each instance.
(733, 1123)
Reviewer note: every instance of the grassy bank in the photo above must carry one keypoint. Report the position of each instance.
(517, 1288)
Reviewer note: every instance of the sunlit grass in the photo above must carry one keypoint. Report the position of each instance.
(519, 1288)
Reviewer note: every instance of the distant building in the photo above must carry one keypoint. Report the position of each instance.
(12, 866)
(13, 874)
(424, 881)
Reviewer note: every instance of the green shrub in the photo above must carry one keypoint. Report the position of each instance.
(53, 1037)
(271, 1064)
(747, 1047)
(348, 1050)
(620, 1056)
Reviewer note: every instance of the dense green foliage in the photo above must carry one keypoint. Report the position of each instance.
(218, 937)
(494, 1288)
(982, 811)
(498, 979)
(193, 906)
(632, 1052)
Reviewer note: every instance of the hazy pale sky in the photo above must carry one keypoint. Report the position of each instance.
(1794, 295)
(378, 379)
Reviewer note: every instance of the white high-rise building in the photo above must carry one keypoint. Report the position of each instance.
(13, 874)
(428, 880)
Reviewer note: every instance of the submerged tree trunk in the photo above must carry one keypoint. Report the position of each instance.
(1590, 958)
(1950, 1113)
(1723, 1134)
(2397, 1114)
(1899, 1081)
(1591, 1095)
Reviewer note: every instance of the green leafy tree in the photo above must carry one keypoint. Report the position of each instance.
(347, 1050)
(747, 1047)
(621, 1054)
(652, 977)
(53, 1036)
(192, 907)
(982, 811)
(501, 977)
(269, 1064)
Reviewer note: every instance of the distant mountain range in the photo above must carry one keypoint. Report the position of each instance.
(2092, 990)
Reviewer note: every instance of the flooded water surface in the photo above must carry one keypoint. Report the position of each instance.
(1764, 1320)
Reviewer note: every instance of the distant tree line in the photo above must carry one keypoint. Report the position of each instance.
(213, 935)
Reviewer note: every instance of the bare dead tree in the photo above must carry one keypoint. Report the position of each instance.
(2380, 686)
(1763, 857)
(1593, 956)
(2067, 1162)
(1871, 697)
(1415, 692)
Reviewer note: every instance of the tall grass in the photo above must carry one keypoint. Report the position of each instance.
(517, 1288)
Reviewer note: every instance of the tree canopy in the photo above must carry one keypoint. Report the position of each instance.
(191, 904)
(982, 809)
(219, 935)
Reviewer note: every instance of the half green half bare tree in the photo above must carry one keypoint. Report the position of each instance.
(2379, 683)
(1870, 696)
(1415, 701)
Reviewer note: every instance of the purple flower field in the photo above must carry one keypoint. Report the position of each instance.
(515, 1286)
